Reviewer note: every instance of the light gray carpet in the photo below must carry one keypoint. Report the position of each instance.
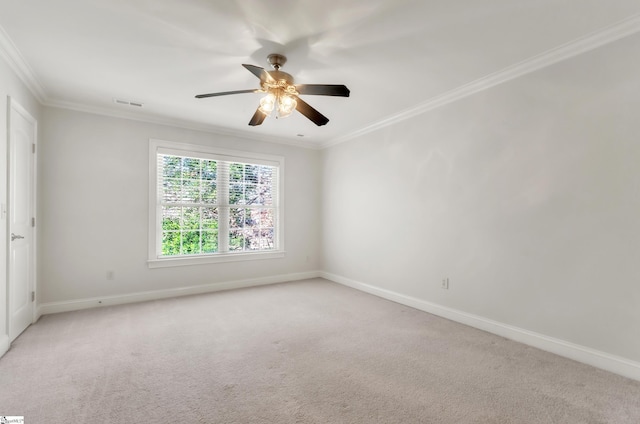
(304, 352)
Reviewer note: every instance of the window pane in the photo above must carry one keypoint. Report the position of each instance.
(190, 191)
(190, 242)
(190, 168)
(267, 239)
(171, 217)
(264, 195)
(236, 194)
(209, 170)
(236, 218)
(236, 240)
(252, 238)
(191, 218)
(170, 243)
(251, 173)
(171, 166)
(266, 218)
(251, 217)
(171, 190)
(209, 218)
(208, 191)
(251, 194)
(209, 241)
(265, 175)
(236, 172)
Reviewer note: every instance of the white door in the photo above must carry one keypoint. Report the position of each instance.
(21, 263)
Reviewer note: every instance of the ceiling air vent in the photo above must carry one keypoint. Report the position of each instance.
(127, 102)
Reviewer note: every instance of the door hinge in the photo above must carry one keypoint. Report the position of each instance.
(33, 222)
(33, 296)
(33, 148)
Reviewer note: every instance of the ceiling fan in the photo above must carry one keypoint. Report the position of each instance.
(282, 94)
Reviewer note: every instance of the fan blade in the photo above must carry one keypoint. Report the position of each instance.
(225, 93)
(259, 72)
(257, 118)
(315, 116)
(324, 89)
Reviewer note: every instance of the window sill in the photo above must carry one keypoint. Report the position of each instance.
(212, 259)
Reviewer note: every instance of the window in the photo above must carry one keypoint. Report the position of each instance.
(212, 205)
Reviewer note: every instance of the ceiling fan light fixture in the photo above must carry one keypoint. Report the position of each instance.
(267, 103)
(286, 105)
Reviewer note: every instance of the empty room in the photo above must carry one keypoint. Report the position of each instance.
(346, 211)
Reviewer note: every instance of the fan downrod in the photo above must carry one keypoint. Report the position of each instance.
(276, 60)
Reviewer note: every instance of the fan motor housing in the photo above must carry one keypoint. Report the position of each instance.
(279, 76)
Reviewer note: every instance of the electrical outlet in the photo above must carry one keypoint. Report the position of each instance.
(445, 283)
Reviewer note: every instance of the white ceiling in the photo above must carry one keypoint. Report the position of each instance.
(394, 55)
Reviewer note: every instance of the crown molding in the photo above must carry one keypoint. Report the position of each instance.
(176, 123)
(20, 67)
(565, 51)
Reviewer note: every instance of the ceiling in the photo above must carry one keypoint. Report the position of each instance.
(396, 56)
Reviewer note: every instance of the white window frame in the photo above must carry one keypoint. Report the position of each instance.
(156, 260)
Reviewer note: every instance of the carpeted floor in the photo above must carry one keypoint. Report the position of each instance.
(303, 352)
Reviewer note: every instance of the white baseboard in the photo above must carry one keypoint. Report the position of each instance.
(602, 360)
(74, 305)
(4, 344)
